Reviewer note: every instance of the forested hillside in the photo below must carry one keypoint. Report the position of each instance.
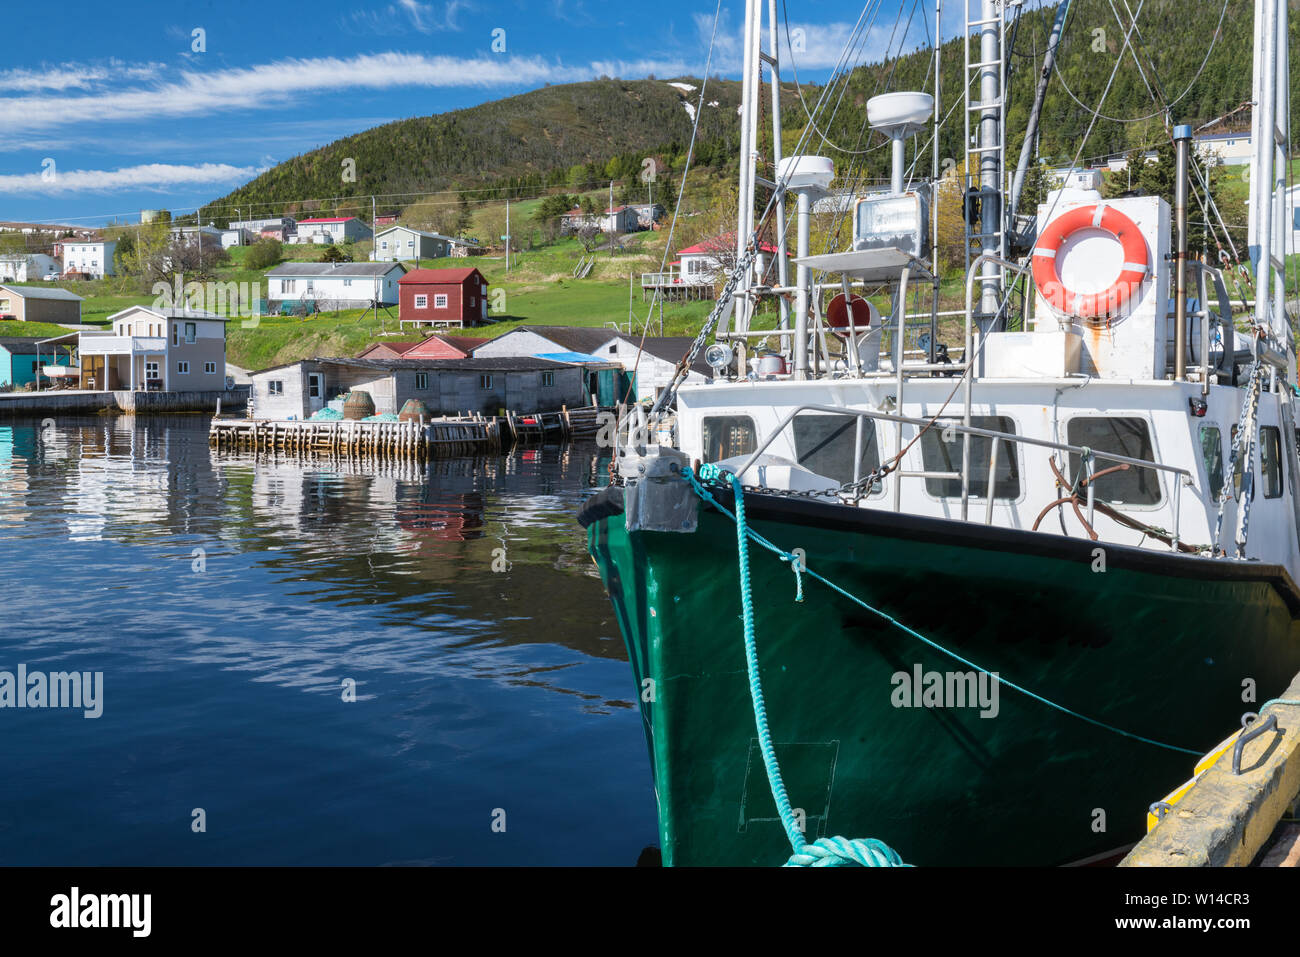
(576, 136)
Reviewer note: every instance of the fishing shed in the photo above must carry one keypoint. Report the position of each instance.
(447, 386)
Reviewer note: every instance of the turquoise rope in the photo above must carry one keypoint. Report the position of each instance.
(710, 471)
(828, 851)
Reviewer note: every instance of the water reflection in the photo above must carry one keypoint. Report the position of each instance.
(172, 567)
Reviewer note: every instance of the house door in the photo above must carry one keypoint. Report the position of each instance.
(315, 391)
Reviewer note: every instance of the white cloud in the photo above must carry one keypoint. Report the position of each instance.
(407, 15)
(151, 176)
(72, 76)
(279, 84)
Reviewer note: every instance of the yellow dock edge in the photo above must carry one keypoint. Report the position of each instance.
(1224, 820)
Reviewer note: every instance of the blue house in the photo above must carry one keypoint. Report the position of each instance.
(20, 360)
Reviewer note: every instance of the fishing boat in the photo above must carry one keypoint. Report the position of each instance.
(979, 601)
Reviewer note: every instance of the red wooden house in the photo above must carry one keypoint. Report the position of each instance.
(442, 297)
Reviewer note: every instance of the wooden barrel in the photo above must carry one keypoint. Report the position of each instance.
(413, 410)
(358, 405)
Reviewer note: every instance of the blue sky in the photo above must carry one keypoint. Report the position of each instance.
(107, 109)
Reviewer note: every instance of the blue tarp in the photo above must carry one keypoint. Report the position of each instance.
(573, 357)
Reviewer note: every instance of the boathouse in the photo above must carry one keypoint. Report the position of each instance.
(297, 390)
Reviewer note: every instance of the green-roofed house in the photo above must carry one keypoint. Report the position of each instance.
(20, 358)
(39, 304)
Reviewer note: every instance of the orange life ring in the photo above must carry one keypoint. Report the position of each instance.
(1090, 305)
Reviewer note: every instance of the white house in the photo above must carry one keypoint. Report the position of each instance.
(703, 263)
(175, 350)
(332, 229)
(27, 267)
(1232, 149)
(267, 222)
(402, 242)
(190, 234)
(652, 363)
(616, 219)
(238, 236)
(341, 285)
(95, 259)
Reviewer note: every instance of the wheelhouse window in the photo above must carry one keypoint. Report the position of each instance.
(725, 436)
(941, 451)
(1119, 435)
(1212, 454)
(1270, 460)
(1239, 469)
(825, 444)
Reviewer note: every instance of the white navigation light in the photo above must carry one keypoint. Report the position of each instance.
(805, 172)
(718, 356)
(892, 221)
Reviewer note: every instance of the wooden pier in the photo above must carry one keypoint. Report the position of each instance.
(401, 441)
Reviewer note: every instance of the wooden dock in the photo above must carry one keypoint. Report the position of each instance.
(402, 441)
(346, 438)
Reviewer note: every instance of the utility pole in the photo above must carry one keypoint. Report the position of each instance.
(507, 235)
(611, 219)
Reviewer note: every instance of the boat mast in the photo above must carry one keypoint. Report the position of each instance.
(1030, 146)
(986, 152)
(751, 93)
(1271, 147)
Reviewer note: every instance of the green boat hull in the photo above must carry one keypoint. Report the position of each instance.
(1157, 645)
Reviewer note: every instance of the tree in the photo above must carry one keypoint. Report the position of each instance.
(589, 236)
(332, 254)
(492, 224)
(263, 254)
(159, 256)
(548, 213)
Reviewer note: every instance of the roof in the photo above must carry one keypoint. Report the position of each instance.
(439, 275)
(343, 270)
(719, 243)
(494, 364)
(42, 292)
(670, 349)
(569, 338)
(327, 219)
(21, 344)
(172, 313)
(398, 347)
(463, 343)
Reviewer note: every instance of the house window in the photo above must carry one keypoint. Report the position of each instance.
(151, 369)
(548, 378)
(176, 335)
(421, 302)
(410, 244)
(286, 285)
(384, 244)
(422, 380)
(440, 302)
(191, 332)
(473, 301)
(485, 382)
(347, 282)
(183, 368)
(613, 349)
(209, 368)
(275, 387)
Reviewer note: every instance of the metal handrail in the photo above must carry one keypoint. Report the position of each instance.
(968, 430)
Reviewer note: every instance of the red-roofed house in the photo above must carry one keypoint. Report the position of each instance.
(331, 229)
(699, 267)
(442, 297)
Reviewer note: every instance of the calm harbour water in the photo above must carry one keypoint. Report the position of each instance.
(477, 691)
